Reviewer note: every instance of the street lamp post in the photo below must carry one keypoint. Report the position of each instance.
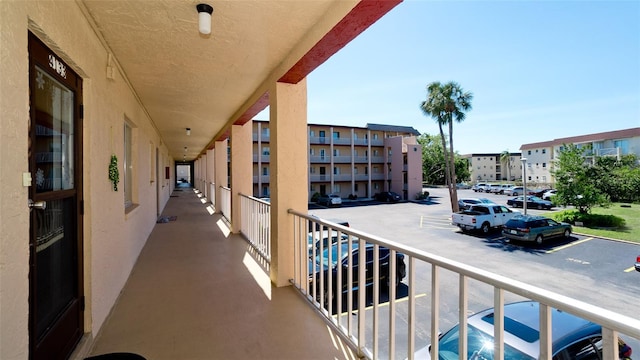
(524, 184)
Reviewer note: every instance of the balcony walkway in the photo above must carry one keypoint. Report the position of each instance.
(198, 293)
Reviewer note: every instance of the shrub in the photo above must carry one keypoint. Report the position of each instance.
(315, 196)
(422, 195)
(590, 220)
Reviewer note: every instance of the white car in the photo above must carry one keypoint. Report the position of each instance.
(330, 200)
(548, 194)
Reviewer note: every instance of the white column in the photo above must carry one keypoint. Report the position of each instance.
(241, 170)
(289, 172)
(220, 164)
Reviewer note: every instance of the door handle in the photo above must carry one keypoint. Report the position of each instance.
(40, 205)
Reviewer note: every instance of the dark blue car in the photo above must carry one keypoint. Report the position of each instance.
(321, 265)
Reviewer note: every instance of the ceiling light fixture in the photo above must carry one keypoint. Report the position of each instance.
(188, 131)
(204, 18)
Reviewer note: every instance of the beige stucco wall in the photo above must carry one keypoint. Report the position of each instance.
(112, 238)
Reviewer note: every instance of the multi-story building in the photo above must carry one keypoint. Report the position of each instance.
(541, 156)
(356, 161)
(492, 167)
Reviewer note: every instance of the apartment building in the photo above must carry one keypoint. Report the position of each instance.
(541, 156)
(491, 167)
(350, 161)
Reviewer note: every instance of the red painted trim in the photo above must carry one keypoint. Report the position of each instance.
(357, 20)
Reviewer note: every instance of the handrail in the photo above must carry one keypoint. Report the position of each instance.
(611, 322)
(225, 202)
(255, 224)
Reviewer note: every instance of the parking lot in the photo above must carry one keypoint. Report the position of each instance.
(590, 269)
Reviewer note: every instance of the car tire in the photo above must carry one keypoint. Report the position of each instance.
(539, 206)
(514, 193)
(567, 233)
(485, 228)
(539, 239)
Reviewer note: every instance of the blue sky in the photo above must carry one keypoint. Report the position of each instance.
(538, 70)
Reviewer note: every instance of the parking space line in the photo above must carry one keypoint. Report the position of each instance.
(630, 269)
(406, 298)
(568, 245)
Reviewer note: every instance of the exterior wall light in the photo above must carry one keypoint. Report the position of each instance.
(204, 18)
(188, 131)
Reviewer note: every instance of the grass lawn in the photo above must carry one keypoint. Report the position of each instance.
(631, 231)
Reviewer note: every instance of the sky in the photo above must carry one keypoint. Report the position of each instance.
(538, 70)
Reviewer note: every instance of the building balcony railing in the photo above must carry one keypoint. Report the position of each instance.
(263, 137)
(377, 176)
(342, 159)
(361, 159)
(356, 315)
(342, 177)
(262, 178)
(319, 159)
(322, 177)
(377, 159)
(319, 140)
(263, 158)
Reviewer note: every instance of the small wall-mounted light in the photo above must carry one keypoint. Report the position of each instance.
(188, 131)
(185, 149)
(204, 18)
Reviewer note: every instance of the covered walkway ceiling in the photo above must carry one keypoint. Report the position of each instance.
(209, 82)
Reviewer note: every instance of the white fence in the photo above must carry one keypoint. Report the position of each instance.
(362, 324)
(225, 202)
(256, 224)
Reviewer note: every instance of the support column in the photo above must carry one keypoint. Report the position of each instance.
(203, 176)
(210, 177)
(221, 171)
(289, 172)
(241, 170)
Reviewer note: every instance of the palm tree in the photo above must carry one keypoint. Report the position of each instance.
(505, 158)
(447, 103)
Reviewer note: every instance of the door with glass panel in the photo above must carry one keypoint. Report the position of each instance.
(56, 301)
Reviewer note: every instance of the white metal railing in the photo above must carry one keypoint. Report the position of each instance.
(225, 202)
(255, 224)
(362, 326)
(212, 194)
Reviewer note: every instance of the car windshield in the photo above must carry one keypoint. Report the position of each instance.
(479, 346)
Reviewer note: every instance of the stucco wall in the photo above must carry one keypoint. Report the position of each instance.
(113, 239)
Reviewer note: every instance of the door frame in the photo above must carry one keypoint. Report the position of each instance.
(42, 55)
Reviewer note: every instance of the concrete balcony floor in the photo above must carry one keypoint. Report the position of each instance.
(198, 292)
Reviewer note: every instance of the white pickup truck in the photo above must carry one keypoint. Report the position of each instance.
(483, 217)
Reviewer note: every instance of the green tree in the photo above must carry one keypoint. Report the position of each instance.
(505, 160)
(618, 178)
(447, 103)
(574, 182)
(433, 163)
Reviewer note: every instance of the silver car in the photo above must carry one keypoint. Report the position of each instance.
(572, 336)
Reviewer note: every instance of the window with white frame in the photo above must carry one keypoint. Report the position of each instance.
(128, 165)
(336, 188)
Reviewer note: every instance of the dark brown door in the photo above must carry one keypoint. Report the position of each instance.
(56, 301)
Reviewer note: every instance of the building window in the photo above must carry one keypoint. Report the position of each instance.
(128, 165)
(544, 151)
(355, 187)
(375, 136)
(265, 190)
(312, 152)
(322, 154)
(265, 150)
(336, 152)
(529, 152)
(355, 170)
(265, 131)
(312, 188)
(312, 170)
(336, 188)
(336, 135)
(336, 170)
(265, 171)
(312, 133)
(375, 186)
(366, 170)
